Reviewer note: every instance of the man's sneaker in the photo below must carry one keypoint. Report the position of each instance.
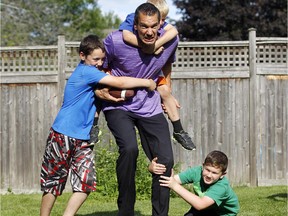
(94, 134)
(184, 139)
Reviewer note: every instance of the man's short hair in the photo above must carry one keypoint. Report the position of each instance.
(146, 9)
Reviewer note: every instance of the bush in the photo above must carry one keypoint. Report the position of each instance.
(106, 158)
(105, 161)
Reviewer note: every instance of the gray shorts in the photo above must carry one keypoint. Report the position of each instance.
(62, 155)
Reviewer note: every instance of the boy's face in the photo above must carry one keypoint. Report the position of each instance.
(147, 28)
(211, 174)
(162, 20)
(96, 58)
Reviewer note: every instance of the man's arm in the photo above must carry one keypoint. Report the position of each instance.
(103, 94)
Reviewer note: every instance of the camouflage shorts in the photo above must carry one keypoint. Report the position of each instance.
(63, 154)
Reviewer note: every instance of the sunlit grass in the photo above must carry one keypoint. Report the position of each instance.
(256, 201)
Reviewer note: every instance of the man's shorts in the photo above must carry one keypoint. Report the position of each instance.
(63, 154)
(161, 81)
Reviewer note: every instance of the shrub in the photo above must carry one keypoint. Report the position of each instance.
(106, 157)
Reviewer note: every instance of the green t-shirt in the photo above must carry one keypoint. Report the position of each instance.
(226, 201)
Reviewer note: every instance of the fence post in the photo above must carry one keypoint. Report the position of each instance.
(61, 68)
(252, 108)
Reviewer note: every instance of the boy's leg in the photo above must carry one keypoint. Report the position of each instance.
(172, 110)
(54, 170)
(83, 176)
(74, 203)
(169, 103)
(205, 212)
(48, 200)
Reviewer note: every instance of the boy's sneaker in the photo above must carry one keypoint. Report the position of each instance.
(184, 139)
(94, 134)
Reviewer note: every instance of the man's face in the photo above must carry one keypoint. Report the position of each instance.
(147, 28)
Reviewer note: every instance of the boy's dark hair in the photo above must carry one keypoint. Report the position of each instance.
(90, 43)
(217, 159)
(147, 9)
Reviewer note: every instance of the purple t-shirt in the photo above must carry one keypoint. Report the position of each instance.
(126, 60)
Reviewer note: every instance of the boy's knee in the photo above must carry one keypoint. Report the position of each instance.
(164, 91)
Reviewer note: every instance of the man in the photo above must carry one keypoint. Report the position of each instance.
(143, 111)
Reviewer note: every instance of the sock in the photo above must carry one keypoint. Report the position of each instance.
(95, 122)
(177, 126)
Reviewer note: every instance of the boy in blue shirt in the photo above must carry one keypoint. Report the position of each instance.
(67, 149)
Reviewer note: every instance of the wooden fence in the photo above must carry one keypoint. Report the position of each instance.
(233, 97)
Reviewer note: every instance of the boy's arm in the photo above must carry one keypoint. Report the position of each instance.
(130, 38)
(122, 83)
(174, 183)
(170, 33)
(127, 82)
(197, 202)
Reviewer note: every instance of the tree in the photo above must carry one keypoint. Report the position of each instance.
(40, 22)
(208, 20)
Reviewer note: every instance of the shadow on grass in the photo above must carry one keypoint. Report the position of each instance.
(110, 213)
(279, 197)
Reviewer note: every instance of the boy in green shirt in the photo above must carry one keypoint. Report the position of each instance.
(212, 195)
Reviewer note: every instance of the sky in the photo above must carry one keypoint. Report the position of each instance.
(123, 8)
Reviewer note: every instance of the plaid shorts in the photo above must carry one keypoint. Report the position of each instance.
(64, 154)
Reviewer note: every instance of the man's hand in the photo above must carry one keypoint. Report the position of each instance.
(103, 94)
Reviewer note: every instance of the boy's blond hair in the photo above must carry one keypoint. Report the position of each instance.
(161, 5)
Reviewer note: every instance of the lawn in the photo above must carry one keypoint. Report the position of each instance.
(256, 201)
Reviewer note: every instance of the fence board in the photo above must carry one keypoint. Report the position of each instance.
(273, 136)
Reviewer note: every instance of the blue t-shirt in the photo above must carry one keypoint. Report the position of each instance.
(226, 201)
(76, 115)
(128, 23)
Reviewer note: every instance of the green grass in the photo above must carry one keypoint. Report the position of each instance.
(256, 201)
